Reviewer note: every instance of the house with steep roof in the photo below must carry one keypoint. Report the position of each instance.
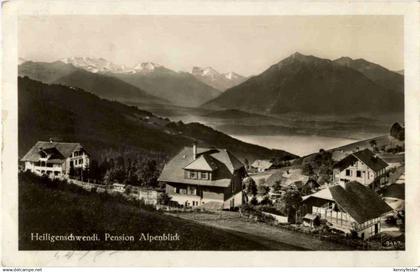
(349, 207)
(207, 177)
(55, 159)
(363, 166)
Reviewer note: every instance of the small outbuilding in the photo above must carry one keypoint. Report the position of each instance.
(311, 220)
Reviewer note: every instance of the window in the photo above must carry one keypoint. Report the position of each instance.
(348, 172)
(358, 174)
(193, 190)
(81, 161)
(204, 175)
(193, 175)
(183, 191)
(176, 190)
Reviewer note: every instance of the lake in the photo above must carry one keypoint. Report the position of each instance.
(297, 144)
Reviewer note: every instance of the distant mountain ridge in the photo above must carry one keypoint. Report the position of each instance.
(152, 81)
(100, 84)
(220, 81)
(180, 88)
(309, 85)
(380, 75)
(101, 65)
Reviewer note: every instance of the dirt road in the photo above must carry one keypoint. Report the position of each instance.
(273, 238)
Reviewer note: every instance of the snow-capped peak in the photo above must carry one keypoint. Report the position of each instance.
(146, 67)
(232, 75)
(208, 72)
(94, 65)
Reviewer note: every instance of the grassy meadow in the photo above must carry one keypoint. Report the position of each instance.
(59, 208)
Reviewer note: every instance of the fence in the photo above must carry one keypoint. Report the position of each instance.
(149, 196)
(267, 218)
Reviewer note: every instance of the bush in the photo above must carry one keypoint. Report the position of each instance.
(164, 199)
(266, 201)
(254, 201)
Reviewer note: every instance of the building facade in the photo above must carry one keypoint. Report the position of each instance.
(56, 159)
(362, 166)
(204, 177)
(351, 208)
(262, 165)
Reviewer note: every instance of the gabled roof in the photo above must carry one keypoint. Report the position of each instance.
(220, 159)
(366, 156)
(370, 159)
(346, 162)
(228, 159)
(203, 162)
(360, 202)
(58, 150)
(265, 164)
(323, 194)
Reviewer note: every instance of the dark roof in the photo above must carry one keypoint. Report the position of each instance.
(221, 159)
(370, 159)
(346, 162)
(57, 150)
(360, 202)
(366, 156)
(394, 190)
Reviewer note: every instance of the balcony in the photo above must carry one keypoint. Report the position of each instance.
(45, 169)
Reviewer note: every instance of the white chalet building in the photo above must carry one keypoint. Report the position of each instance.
(55, 159)
(348, 207)
(362, 166)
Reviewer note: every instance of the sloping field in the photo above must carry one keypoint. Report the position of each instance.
(63, 209)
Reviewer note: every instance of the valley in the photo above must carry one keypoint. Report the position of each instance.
(300, 104)
(300, 134)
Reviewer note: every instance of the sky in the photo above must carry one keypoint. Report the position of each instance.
(247, 45)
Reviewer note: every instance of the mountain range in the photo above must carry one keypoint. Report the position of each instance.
(72, 114)
(312, 85)
(299, 83)
(100, 84)
(180, 88)
(378, 74)
(217, 80)
(145, 82)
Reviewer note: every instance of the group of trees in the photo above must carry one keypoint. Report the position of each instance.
(319, 166)
(397, 131)
(138, 171)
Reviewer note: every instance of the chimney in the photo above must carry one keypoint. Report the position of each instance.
(195, 150)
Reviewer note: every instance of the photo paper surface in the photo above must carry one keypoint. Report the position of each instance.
(162, 136)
